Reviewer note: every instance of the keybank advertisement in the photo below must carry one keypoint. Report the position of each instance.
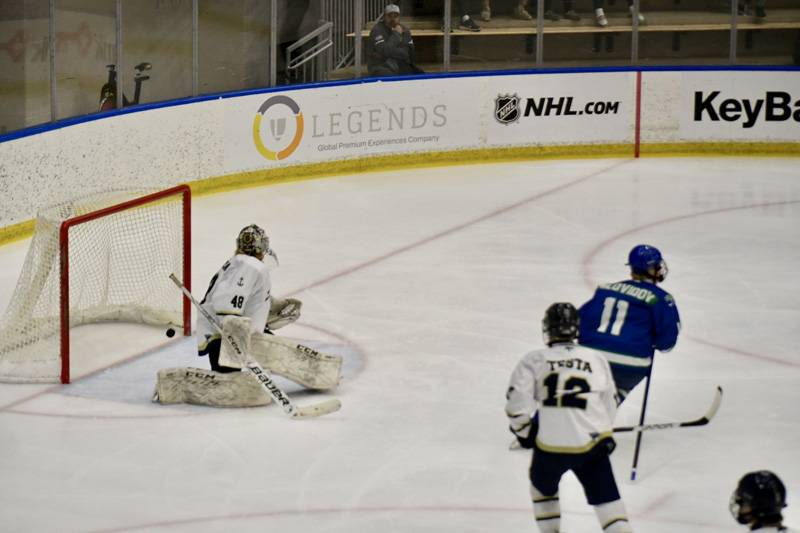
(580, 108)
(349, 121)
(763, 106)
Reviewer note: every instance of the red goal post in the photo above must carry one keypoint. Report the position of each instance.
(96, 258)
(181, 190)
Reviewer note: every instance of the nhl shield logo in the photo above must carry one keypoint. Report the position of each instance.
(506, 108)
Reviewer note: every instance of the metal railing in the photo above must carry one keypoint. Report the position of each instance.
(343, 13)
(305, 62)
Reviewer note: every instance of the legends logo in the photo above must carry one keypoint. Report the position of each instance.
(277, 128)
(369, 122)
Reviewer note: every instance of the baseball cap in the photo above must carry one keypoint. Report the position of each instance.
(391, 8)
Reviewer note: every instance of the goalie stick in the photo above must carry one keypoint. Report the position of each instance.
(702, 421)
(263, 377)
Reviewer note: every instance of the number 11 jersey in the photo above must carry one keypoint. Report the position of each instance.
(630, 318)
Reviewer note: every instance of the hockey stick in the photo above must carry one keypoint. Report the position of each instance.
(637, 447)
(702, 421)
(263, 377)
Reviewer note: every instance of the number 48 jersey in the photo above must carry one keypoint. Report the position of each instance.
(630, 318)
(241, 288)
(574, 392)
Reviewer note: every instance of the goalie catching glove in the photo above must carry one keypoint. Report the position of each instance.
(282, 312)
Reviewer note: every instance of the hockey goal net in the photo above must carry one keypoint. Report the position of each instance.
(103, 257)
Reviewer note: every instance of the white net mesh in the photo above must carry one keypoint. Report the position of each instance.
(118, 271)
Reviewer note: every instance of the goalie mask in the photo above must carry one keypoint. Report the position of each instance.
(252, 240)
(758, 498)
(560, 323)
(647, 261)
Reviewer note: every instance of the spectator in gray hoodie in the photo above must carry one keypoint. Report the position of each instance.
(390, 51)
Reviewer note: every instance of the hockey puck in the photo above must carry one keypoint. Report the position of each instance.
(170, 333)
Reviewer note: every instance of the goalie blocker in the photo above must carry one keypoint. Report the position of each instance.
(278, 355)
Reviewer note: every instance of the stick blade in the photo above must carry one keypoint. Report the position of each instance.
(714, 405)
(712, 410)
(317, 409)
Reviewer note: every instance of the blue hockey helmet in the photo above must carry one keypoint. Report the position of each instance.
(646, 260)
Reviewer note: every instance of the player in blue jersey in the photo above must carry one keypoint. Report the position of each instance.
(631, 319)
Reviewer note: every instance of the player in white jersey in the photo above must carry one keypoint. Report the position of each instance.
(240, 295)
(576, 398)
(758, 500)
(241, 288)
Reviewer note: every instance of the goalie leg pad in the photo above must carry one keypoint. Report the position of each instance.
(205, 387)
(297, 362)
(234, 329)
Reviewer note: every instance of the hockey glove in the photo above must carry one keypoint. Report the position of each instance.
(606, 446)
(283, 312)
(525, 429)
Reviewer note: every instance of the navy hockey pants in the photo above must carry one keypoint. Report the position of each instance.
(593, 470)
(627, 377)
(212, 351)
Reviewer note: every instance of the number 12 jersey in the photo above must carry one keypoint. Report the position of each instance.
(574, 392)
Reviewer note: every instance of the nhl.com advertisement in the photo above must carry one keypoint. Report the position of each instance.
(341, 122)
(510, 108)
(570, 109)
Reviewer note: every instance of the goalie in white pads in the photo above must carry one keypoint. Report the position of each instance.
(576, 397)
(240, 294)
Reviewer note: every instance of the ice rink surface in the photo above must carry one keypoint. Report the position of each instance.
(432, 283)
